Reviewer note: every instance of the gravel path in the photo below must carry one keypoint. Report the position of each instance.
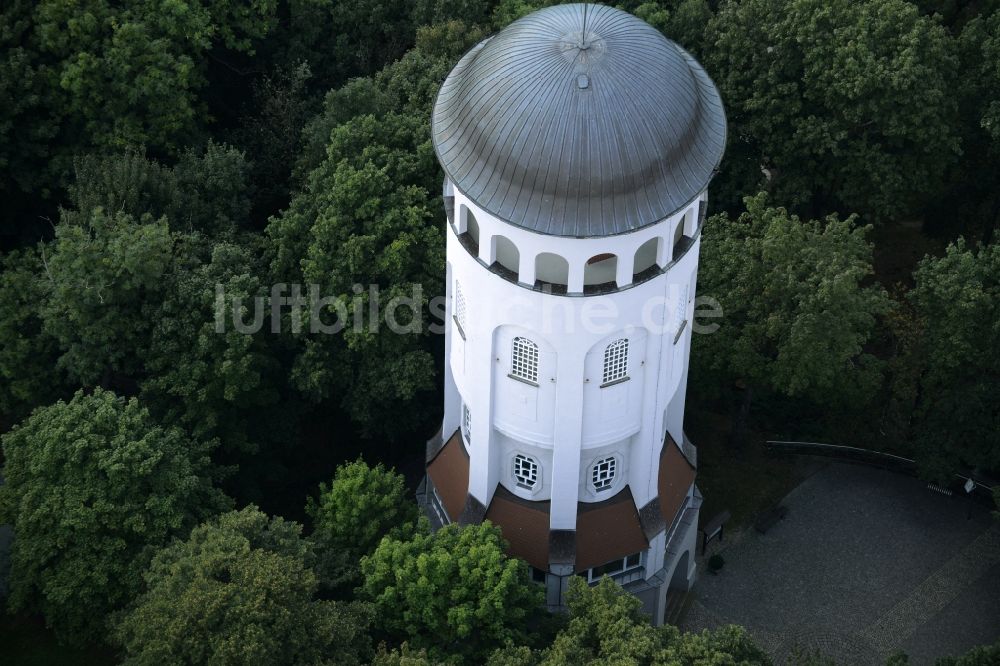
(866, 562)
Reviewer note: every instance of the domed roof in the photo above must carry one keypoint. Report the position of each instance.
(579, 120)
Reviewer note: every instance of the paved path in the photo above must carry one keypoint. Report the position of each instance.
(866, 562)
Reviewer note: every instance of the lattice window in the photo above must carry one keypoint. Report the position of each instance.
(525, 471)
(603, 473)
(616, 361)
(467, 423)
(524, 360)
(460, 307)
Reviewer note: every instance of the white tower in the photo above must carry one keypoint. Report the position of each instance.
(577, 145)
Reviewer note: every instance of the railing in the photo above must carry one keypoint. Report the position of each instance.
(981, 489)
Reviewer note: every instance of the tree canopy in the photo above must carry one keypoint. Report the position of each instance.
(239, 590)
(94, 487)
(847, 105)
(798, 311)
(453, 592)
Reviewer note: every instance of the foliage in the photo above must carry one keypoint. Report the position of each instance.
(798, 311)
(100, 273)
(847, 105)
(203, 372)
(207, 192)
(28, 377)
(360, 506)
(92, 488)
(366, 218)
(606, 626)
(239, 590)
(107, 75)
(454, 592)
(947, 369)
(983, 655)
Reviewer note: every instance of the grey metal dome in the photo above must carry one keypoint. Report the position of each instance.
(579, 120)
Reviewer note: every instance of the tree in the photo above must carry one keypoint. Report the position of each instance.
(847, 105)
(366, 218)
(100, 274)
(92, 488)
(28, 376)
(205, 191)
(202, 371)
(239, 590)
(606, 626)
(947, 375)
(797, 312)
(360, 506)
(104, 76)
(454, 592)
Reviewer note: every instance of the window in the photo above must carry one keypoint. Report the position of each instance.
(614, 567)
(460, 309)
(616, 361)
(524, 360)
(537, 575)
(602, 476)
(525, 471)
(467, 423)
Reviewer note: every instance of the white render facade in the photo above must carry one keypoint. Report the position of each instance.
(567, 417)
(571, 274)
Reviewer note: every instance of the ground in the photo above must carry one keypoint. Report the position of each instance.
(866, 562)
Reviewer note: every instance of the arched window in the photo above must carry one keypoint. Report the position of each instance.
(601, 271)
(507, 258)
(551, 271)
(615, 361)
(460, 308)
(602, 475)
(525, 471)
(524, 360)
(644, 264)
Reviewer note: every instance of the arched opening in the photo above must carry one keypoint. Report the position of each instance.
(679, 581)
(468, 231)
(506, 258)
(551, 273)
(599, 274)
(644, 264)
(681, 240)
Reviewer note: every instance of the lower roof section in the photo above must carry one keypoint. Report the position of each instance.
(449, 474)
(525, 525)
(607, 531)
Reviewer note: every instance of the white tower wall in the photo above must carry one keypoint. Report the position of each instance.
(569, 418)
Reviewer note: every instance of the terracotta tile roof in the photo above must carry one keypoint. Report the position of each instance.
(449, 472)
(607, 530)
(525, 524)
(674, 479)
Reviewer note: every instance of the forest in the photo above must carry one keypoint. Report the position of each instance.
(184, 496)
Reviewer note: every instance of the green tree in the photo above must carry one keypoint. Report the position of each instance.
(28, 376)
(107, 75)
(947, 375)
(93, 487)
(606, 626)
(239, 590)
(206, 191)
(100, 273)
(201, 370)
(454, 593)
(360, 506)
(847, 105)
(366, 218)
(797, 309)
